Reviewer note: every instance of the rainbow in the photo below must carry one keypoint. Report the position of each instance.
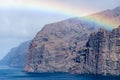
(53, 6)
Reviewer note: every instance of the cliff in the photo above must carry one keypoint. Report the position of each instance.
(71, 46)
(105, 48)
(56, 44)
(101, 54)
(17, 56)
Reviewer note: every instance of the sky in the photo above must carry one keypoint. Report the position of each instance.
(20, 20)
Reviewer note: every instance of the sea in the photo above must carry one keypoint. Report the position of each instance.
(7, 73)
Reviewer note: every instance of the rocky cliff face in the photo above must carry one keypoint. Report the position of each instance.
(69, 46)
(55, 46)
(104, 49)
(101, 54)
(17, 56)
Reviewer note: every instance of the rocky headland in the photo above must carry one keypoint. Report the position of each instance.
(77, 46)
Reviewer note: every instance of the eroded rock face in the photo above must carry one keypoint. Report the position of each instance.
(102, 53)
(69, 46)
(55, 46)
(109, 53)
(97, 54)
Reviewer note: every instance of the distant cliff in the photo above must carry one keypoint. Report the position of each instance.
(71, 46)
(17, 56)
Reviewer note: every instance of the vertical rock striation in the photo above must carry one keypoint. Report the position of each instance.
(102, 53)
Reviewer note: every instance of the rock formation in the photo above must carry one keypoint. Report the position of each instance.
(104, 52)
(75, 46)
(56, 44)
(101, 54)
(17, 56)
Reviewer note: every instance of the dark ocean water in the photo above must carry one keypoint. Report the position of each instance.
(7, 73)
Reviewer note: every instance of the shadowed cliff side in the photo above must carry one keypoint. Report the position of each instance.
(101, 54)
